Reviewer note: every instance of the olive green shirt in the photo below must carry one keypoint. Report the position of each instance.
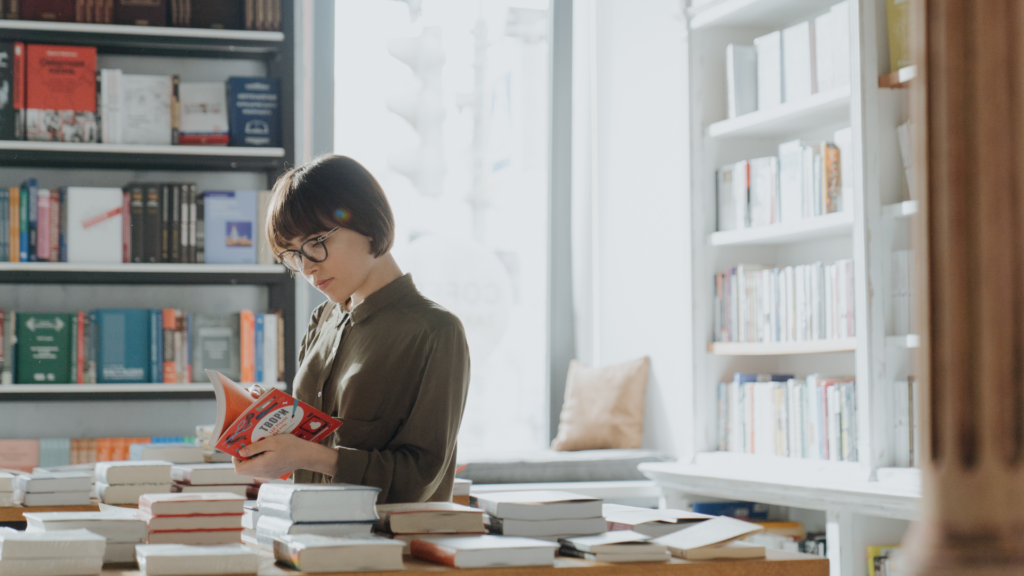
(395, 371)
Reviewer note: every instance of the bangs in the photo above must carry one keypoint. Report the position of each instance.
(291, 215)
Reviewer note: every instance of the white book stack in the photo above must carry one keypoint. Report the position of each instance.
(545, 514)
(250, 517)
(88, 468)
(311, 553)
(484, 551)
(124, 482)
(210, 478)
(713, 539)
(63, 553)
(618, 546)
(121, 527)
(653, 523)
(741, 79)
(173, 452)
(207, 518)
(52, 489)
(205, 440)
(769, 71)
(406, 522)
(181, 560)
(324, 510)
(6, 489)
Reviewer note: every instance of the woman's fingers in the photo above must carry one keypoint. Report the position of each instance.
(255, 390)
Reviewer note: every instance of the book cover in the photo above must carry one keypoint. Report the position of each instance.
(18, 92)
(898, 15)
(216, 345)
(146, 109)
(23, 235)
(269, 348)
(15, 223)
(249, 420)
(123, 354)
(193, 193)
(111, 95)
(254, 111)
(169, 325)
(259, 348)
(138, 208)
(7, 80)
(126, 227)
(183, 224)
(44, 348)
(769, 70)
(33, 220)
(62, 226)
(204, 114)
(200, 227)
(140, 12)
(248, 351)
(60, 97)
(798, 66)
(151, 224)
(43, 225)
(48, 10)
(94, 225)
(741, 79)
(174, 224)
(220, 14)
(230, 227)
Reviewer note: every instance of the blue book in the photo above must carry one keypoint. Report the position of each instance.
(745, 510)
(33, 218)
(254, 117)
(230, 227)
(156, 345)
(259, 347)
(123, 346)
(746, 378)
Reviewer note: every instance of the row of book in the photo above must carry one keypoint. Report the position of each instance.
(117, 108)
(144, 222)
(903, 300)
(778, 415)
(790, 65)
(121, 346)
(793, 304)
(220, 14)
(28, 454)
(803, 181)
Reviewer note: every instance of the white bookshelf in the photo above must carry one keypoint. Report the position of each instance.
(858, 509)
(114, 388)
(160, 268)
(134, 149)
(146, 31)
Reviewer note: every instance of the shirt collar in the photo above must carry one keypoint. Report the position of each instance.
(392, 292)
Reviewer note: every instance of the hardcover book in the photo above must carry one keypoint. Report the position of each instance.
(123, 353)
(204, 114)
(313, 553)
(216, 345)
(7, 88)
(255, 111)
(44, 348)
(243, 420)
(230, 227)
(61, 93)
(140, 12)
(49, 10)
(94, 225)
(220, 14)
(146, 108)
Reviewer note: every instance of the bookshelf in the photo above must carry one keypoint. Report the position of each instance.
(856, 507)
(201, 55)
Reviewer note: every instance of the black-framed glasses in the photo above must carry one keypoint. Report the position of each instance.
(313, 249)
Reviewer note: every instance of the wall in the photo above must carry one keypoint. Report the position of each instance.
(631, 129)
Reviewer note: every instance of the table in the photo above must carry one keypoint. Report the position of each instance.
(9, 514)
(777, 563)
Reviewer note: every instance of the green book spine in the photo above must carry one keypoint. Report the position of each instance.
(44, 348)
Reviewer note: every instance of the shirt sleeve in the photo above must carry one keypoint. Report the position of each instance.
(425, 444)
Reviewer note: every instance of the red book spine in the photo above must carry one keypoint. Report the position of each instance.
(80, 352)
(432, 552)
(248, 351)
(126, 227)
(170, 324)
(19, 79)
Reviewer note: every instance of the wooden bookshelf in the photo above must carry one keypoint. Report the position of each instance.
(782, 348)
(835, 224)
(788, 119)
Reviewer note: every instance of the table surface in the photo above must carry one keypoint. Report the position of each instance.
(777, 563)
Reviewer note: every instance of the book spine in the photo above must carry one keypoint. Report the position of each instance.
(92, 334)
(74, 349)
(126, 227)
(280, 345)
(180, 359)
(63, 225)
(188, 348)
(15, 230)
(175, 228)
(42, 225)
(432, 552)
(18, 91)
(200, 228)
(183, 224)
(168, 315)
(54, 245)
(151, 225)
(192, 223)
(33, 223)
(155, 346)
(175, 109)
(247, 353)
(23, 242)
(165, 223)
(4, 235)
(80, 349)
(259, 343)
(138, 206)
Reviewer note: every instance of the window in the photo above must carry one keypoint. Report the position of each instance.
(447, 103)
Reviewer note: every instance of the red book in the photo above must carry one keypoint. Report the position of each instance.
(243, 420)
(60, 96)
(126, 227)
(170, 318)
(51, 10)
(80, 352)
(248, 351)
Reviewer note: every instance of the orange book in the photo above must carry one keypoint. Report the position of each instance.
(248, 352)
(170, 326)
(20, 455)
(104, 452)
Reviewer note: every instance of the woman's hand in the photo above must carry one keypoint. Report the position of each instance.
(256, 391)
(278, 455)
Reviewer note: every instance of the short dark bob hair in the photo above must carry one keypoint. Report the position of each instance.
(327, 192)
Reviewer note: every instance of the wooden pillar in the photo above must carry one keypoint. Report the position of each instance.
(968, 111)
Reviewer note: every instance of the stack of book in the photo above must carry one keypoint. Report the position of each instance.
(313, 553)
(460, 491)
(649, 522)
(177, 559)
(124, 482)
(406, 522)
(325, 510)
(81, 468)
(121, 527)
(250, 518)
(618, 546)
(192, 518)
(205, 440)
(485, 551)
(65, 552)
(53, 489)
(173, 452)
(210, 478)
(541, 514)
(713, 539)
(6, 489)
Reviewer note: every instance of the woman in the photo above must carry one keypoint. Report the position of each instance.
(390, 364)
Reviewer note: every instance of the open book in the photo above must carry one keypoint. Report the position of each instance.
(244, 420)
